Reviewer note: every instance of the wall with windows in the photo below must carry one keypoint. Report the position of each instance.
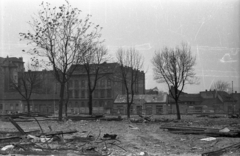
(79, 94)
(11, 107)
(106, 90)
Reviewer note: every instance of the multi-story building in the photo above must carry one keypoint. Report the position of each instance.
(108, 87)
(42, 99)
(45, 98)
(9, 98)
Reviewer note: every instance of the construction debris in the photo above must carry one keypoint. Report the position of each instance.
(222, 150)
(110, 136)
(54, 143)
(132, 127)
(208, 139)
(146, 118)
(207, 131)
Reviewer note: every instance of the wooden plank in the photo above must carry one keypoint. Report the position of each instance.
(213, 134)
(60, 132)
(17, 126)
(222, 150)
(172, 128)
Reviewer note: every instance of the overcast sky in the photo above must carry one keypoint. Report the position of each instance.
(211, 27)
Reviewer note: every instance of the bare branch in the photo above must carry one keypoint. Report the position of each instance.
(221, 86)
(175, 67)
(61, 37)
(131, 62)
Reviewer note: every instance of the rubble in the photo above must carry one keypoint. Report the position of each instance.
(225, 132)
(222, 150)
(54, 143)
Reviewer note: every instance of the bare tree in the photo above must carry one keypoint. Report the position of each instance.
(221, 86)
(94, 68)
(27, 83)
(60, 37)
(175, 67)
(131, 62)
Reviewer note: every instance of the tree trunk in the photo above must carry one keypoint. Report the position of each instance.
(28, 106)
(90, 103)
(128, 106)
(128, 110)
(66, 107)
(61, 102)
(178, 110)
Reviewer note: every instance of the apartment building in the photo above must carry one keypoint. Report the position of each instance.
(108, 87)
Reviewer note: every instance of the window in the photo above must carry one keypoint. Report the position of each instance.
(83, 104)
(109, 93)
(95, 94)
(36, 106)
(159, 110)
(108, 83)
(11, 106)
(120, 110)
(70, 84)
(198, 109)
(95, 104)
(109, 104)
(76, 94)
(139, 110)
(102, 83)
(76, 84)
(83, 94)
(102, 93)
(123, 91)
(101, 103)
(83, 83)
(149, 110)
(70, 94)
(70, 104)
(76, 104)
(136, 90)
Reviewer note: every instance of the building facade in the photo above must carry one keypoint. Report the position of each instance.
(43, 98)
(206, 102)
(149, 104)
(106, 91)
(10, 101)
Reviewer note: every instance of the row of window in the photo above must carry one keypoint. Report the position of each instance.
(83, 83)
(139, 110)
(99, 93)
(99, 103)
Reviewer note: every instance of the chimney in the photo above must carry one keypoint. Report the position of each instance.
(206, 90)
(235, 92)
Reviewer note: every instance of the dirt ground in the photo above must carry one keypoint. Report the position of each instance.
(147, 137)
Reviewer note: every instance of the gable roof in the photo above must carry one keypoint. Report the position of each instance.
(236, 96)
(226, 97)
(208, 94)
(156, 98)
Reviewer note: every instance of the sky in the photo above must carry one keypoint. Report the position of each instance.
(210, 27)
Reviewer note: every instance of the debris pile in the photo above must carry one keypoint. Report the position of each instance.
(52, 142)
(212, 132)
(225, 132)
